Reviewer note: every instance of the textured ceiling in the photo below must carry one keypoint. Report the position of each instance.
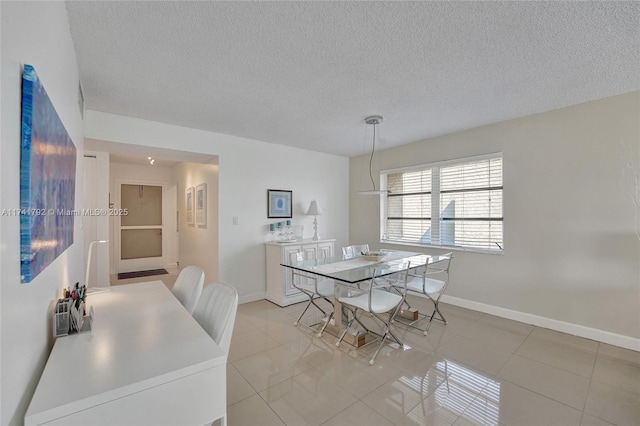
(306, 74)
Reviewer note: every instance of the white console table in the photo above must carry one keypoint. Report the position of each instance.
(279, 287)
(145, 361)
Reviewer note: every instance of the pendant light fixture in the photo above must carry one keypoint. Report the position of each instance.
(373, 120)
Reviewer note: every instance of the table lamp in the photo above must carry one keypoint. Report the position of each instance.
(314, 211)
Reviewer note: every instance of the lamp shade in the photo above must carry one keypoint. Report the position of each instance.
(314, 209)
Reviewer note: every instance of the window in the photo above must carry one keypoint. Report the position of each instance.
(450, 204)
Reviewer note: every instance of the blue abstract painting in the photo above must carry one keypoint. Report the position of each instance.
(47, 180)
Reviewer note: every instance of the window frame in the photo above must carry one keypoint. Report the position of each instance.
(435, 201)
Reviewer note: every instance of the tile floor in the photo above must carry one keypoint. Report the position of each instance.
(476, 370)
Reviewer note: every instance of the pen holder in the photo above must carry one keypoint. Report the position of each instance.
(62, 318)
(68, 317)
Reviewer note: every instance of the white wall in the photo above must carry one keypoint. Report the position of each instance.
(35, 33)
(199, 245)
(571, 257)
(150, 174)
(247, 168)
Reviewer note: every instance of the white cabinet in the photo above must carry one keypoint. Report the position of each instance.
(279, 287)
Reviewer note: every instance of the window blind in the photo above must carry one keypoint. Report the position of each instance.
(455, 204)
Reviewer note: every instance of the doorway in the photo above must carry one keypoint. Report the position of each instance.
(141, 226)
(176, 171)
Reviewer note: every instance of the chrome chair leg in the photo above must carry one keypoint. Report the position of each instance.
(432, 288)
(383, 336)
(314, 289)
(355, 317)
(346, 328)
(317, 306)
(329, 318)
(391, 332)
(380, 303)
(373, 358)
(305, 309)
(442, 318)
(312, 300)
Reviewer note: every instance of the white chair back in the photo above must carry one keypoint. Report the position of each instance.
(347, 251)
(360, 249)
(216, 312)
(188, 286)
(355, 250)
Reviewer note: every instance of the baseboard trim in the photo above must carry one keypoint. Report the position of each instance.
(552, 324)
(562, 326)
(253, 297)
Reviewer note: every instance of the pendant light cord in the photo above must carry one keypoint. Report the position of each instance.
(373, 149)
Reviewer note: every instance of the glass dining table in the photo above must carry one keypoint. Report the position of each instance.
(353, 270)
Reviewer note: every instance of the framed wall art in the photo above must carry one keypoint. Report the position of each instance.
(47, 180)
(189, 206)
(279, 203)
(201, 205)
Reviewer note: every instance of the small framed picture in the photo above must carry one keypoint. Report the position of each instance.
(189, 200)
(279, 203)
(201, 205)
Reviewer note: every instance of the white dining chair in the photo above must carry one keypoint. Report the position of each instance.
(216, 312)
(371, 298)
(315, 288)
(431, 281)
(188, 286)
(355, 250)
